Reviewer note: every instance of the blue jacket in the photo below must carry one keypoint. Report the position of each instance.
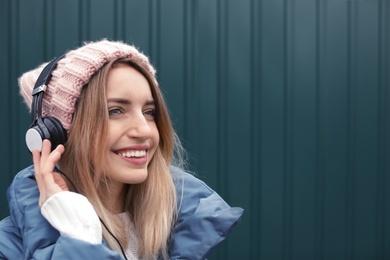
(205, 220)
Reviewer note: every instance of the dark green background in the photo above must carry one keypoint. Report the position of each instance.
(282, 104)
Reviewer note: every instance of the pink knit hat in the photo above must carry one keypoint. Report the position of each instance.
(73, 73)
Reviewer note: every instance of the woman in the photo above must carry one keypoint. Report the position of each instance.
(110, 190)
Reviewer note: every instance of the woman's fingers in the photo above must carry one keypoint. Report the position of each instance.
(47, 168)
(46, 148)
(48, 182)
(37, 166)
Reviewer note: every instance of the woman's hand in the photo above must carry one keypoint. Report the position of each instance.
(49, 182)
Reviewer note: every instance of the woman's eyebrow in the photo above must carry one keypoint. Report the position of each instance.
(126, 101)
(118, 100)
(150, 103)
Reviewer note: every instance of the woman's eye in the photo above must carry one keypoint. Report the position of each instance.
(114, 111)
(151, 113)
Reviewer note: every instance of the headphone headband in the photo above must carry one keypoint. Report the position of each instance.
(44, 127)
(41, 85)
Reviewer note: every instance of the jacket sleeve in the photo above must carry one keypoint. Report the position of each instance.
(38, 239)
(204, 220)
(10, 240)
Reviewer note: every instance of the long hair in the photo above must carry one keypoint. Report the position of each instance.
(152, 204)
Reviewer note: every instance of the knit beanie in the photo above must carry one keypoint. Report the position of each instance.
(73, 73)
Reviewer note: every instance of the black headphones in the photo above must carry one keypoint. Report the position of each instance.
(44, 127)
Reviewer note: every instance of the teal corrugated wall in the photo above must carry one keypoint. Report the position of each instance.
(283, 106)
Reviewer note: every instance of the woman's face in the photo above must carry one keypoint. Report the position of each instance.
(133, 136)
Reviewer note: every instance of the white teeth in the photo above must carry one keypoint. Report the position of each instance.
(137, 154)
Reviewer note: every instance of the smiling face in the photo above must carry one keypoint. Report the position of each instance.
(133, 136)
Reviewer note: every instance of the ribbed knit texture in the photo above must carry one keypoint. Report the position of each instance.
(73, 216)
(73, 72)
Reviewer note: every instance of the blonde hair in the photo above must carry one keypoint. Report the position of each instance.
(151, 205)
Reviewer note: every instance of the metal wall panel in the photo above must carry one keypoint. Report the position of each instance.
(5, 104)
(283, 106)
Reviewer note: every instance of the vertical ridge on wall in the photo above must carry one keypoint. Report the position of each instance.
(304, 134)
(122, 9)
(386, 140)
(48, 28)
(381, 142)
(255, 128)
(187, 66)
(193, 128)
(189, 93)
(154, 31)
(14, 66)
(319, 193)
(350, 184)
(171, 55)
(367, 86)
(288, 128)
(272, 106)
(205, 76)
(222, 142)
(67, 35)
(137, 23)
(238, 119)
(118, 19)
(334, 93)
(84, 20)
(5, 104)
(222, 93)
(102, 9)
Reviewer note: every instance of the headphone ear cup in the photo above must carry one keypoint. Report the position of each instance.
(34, 138)
(47, 128)
(58, 134)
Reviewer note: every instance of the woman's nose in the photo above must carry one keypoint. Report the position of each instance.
(139, 127)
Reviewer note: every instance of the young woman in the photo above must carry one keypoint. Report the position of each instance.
(110, 189)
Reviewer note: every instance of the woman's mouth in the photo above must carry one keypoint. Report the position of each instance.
(134, 157)
(133, 153)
